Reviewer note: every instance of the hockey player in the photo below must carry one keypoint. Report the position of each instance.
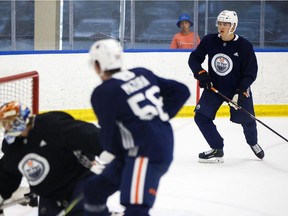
(232, 68)
(133, 108)
(52, 150)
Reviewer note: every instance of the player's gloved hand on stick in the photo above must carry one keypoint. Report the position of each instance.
(239, 97)
(99, 164)
(204, 79)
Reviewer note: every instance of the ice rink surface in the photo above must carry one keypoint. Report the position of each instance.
(242, 185)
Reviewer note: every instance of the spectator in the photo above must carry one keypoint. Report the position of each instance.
(185, 39)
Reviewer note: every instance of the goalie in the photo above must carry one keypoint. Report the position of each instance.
(53, 151)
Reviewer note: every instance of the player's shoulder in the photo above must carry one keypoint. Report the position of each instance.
(141, 70)
(112, 85)
(243, 42)
(209, 40)
(54, 115)
(48, 119)
(109, 89)
(210, 37)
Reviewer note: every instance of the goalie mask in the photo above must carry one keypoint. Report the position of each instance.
(14, 118)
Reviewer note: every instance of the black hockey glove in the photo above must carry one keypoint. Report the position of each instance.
(239, 97)
(204, 79)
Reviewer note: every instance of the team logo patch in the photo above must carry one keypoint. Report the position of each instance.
(222, 64)
(34, 167)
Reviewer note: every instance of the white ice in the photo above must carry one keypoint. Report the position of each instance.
(242, 185)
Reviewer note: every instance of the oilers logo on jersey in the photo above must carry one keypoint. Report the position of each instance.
(34, 167)
(222, 64)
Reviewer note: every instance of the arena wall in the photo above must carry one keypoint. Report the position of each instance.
(67, 79)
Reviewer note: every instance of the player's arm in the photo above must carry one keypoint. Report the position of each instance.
(249, 66)
(10, 178)
(174, 94)
(197, 57)
(105, 106)
(84, 137)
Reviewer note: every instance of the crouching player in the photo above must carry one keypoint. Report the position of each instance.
(52, 150)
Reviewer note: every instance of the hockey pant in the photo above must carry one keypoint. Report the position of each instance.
(205, 113)
(137, 181)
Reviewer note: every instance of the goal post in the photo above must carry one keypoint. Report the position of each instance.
(22, 87)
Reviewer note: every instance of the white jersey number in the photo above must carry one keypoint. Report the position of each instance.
(148, 112)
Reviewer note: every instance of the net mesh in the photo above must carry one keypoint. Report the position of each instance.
(19, 90)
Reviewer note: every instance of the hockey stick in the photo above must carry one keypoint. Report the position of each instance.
(25, 199)
(74, 202)
(70, 207)
(245, 111)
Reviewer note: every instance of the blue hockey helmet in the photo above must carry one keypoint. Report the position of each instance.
(184, 17)
(14, 118)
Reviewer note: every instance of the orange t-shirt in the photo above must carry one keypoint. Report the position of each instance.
(182, 41)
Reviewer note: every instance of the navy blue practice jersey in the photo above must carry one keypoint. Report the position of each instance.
(134, 108)
(231, 64)
(46, 157)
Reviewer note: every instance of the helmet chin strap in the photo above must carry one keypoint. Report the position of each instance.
(230, 32)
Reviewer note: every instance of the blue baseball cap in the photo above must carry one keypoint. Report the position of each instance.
(184, 17)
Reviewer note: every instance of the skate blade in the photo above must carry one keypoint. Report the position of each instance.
(215, 160)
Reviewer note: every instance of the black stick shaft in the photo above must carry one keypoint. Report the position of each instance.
(248, 113)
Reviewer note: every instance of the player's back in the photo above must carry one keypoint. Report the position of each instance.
(133, 100)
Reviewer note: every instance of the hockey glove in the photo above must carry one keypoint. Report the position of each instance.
(83, 159)
(97, 166)
(239, 97)
(100, 162)
(204, 79)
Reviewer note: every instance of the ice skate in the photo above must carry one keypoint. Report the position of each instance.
(212, 156)
(258, 151)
